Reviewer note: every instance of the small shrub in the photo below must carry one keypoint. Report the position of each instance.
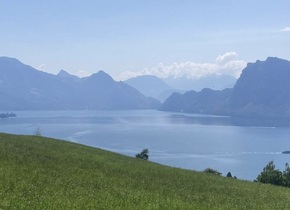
(212, 171)
(37, 132)
(143, 154)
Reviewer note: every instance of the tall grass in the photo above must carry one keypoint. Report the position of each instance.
(43, 173)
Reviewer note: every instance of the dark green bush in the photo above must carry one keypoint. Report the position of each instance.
(212, 171)
(143, 154)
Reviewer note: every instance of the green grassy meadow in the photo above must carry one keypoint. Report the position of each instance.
(42, 173)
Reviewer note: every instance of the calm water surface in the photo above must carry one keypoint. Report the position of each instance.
(186, 141)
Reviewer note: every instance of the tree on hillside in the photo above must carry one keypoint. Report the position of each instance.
(286, 175)
(143, 154)
(271, 175)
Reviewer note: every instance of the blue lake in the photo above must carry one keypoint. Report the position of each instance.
(187, 141)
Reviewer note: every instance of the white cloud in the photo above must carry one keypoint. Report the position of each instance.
(226, 64)
(287, 29)
(229, 56)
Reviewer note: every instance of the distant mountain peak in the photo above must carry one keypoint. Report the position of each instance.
(270, 60)
(64, 74)
(101, 75)
(101, 72)
(9, 59)
(12, 66)
(150, 85)
(274, 59)
(8, 62)
(149, 79)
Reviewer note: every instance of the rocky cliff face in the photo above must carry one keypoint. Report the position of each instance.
(263, 90)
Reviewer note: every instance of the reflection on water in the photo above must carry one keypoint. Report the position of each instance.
(241, 146)
(228, 121)
(199, 119)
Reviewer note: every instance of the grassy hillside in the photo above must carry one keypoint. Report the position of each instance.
(42, 173)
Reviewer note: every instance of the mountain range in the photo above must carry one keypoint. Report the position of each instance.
(263, 90)
(213, 81)
(152, 86)
(161, 89)
(24, 88)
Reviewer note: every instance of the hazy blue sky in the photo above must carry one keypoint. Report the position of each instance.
(84, 36)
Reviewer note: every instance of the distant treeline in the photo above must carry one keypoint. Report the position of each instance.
(6, 115)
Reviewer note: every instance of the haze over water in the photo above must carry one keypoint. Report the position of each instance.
(187, 141)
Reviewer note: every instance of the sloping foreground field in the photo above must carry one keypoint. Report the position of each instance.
(43, 173)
